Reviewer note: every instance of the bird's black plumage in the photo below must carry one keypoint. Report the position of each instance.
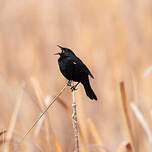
(74, 69)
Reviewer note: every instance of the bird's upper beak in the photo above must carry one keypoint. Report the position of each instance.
(60, 47)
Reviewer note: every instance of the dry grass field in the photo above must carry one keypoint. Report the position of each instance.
(113, 38)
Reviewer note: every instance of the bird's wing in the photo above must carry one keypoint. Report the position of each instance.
(83, 67)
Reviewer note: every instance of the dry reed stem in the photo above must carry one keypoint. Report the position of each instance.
(142, 120)
(124, 147)
(126, 116)
(75, 123)
(2, 141)
(43, 103)
(83, 149)
(82, 137)
(56, 143)
(40, 98)
(13, 122)
(2, 132)
(95, 135)
(83, 131)
(45, 110)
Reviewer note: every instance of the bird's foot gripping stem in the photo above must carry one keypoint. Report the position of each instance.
(73, 88)
(69, 83)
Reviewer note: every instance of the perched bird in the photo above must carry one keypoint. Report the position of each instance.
(74, 69)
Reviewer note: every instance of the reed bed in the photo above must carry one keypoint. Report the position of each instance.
(113, 38)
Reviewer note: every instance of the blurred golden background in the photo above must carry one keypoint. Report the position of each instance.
(113, 38)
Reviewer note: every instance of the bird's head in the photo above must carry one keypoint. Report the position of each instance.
(65, 52)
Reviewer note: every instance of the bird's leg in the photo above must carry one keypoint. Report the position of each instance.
(69, 83)
(74, 86)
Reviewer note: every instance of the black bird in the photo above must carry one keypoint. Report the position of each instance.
(74, 69)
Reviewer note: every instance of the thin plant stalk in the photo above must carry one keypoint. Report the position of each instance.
(13, 122)
(126, 114)
(75, 123)
(45, 110)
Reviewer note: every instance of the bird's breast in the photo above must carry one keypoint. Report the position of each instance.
(70, 69)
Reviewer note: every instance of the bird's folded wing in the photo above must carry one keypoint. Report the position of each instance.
(83, 66)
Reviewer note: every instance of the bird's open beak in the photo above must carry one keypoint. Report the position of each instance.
(57, 53)
(60, 48)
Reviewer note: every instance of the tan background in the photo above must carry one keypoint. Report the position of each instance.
(113, 38)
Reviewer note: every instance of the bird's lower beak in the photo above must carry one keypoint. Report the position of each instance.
(57, 54)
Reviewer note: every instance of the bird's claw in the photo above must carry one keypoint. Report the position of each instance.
(69, 83)
(73, 88)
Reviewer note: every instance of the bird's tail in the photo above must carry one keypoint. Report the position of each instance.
(89, 90)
